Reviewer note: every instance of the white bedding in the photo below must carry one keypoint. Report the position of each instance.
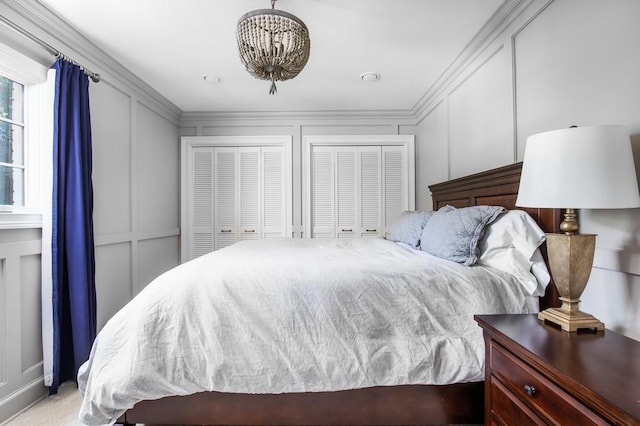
(295, 315)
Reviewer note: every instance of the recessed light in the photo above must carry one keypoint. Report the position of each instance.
(370, 76)
(212, 79)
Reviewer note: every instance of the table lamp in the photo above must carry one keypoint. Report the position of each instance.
(576, 168)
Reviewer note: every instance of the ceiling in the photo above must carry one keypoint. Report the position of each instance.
(172, 44)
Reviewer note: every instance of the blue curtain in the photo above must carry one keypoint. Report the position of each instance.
(72, 249)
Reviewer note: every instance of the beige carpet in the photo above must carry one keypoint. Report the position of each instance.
(55, 410)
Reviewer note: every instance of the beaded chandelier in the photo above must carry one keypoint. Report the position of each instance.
(274, 45)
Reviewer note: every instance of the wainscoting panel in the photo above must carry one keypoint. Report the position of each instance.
(157, 179)
(432, 148)
(4, 318)
(30, 324)
(112, 171)
(114, 285)
(156, 256)
(480, 113)
(20, 321)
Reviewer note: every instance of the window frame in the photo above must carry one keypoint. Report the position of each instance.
(21, 123)
(37, 130)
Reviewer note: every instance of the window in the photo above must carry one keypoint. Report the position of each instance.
(26, 131)
(12, 153)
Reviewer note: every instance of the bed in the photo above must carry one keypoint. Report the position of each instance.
(382, 404)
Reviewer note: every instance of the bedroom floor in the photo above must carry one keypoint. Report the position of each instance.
(55, 410)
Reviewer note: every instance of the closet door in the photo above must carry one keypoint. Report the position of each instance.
(274, 192)
(395, 186)
(346, 199)
(201, 196)
(226, 197)
(322, 192)
(356, 185)
(232, 189)
(370, 193)
(250, 184)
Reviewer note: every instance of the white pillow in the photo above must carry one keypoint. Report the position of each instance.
(511, 243)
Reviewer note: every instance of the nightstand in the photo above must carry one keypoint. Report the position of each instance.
(537, 374)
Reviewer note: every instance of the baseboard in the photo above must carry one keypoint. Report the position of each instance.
(22, 399)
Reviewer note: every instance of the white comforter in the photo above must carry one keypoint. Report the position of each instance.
(293, 315)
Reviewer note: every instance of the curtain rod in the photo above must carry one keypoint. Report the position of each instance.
(55, 52)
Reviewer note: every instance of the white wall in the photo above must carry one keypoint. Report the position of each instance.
(552, 64)
(432, 152)
(136, 206)
(136, 191)
(577, 63)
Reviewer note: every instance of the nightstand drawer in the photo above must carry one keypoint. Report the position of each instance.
(545, 398)
(507, 410)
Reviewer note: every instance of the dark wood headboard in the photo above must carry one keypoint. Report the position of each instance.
(497, 187)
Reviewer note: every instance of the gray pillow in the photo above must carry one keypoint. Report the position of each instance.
(407, 228)
(454, 234)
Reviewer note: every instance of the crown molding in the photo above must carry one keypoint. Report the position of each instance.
(36, 18)
(396, 117)
(503, 16)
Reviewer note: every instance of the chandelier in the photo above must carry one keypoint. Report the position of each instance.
(274, 45)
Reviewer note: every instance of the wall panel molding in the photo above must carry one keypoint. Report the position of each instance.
(20, 248)
(128, 237)
(512, 41)
(270, 118)
(472, 72)
(615, 259)
(431, 110)
(509, 10)
(480, 114)
(20, 384)
(4, 318)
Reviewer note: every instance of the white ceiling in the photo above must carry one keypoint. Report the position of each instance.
(172, 44)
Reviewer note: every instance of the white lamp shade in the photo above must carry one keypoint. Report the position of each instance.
(581, 168)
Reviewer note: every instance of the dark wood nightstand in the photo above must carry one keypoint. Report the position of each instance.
(537, 374)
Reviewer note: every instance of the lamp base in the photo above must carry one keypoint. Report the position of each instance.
(571, 321)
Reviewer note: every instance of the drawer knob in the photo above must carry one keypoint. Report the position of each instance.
(530, 390)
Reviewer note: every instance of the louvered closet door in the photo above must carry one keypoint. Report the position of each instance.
(322, 192)
(394, 183)
(346, 170)
(357, 189)
(226, 199)
(273, 192)
(201, 194)
(370, 194)
(250, 193)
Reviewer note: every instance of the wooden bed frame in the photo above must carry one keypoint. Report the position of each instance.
(390, 405)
